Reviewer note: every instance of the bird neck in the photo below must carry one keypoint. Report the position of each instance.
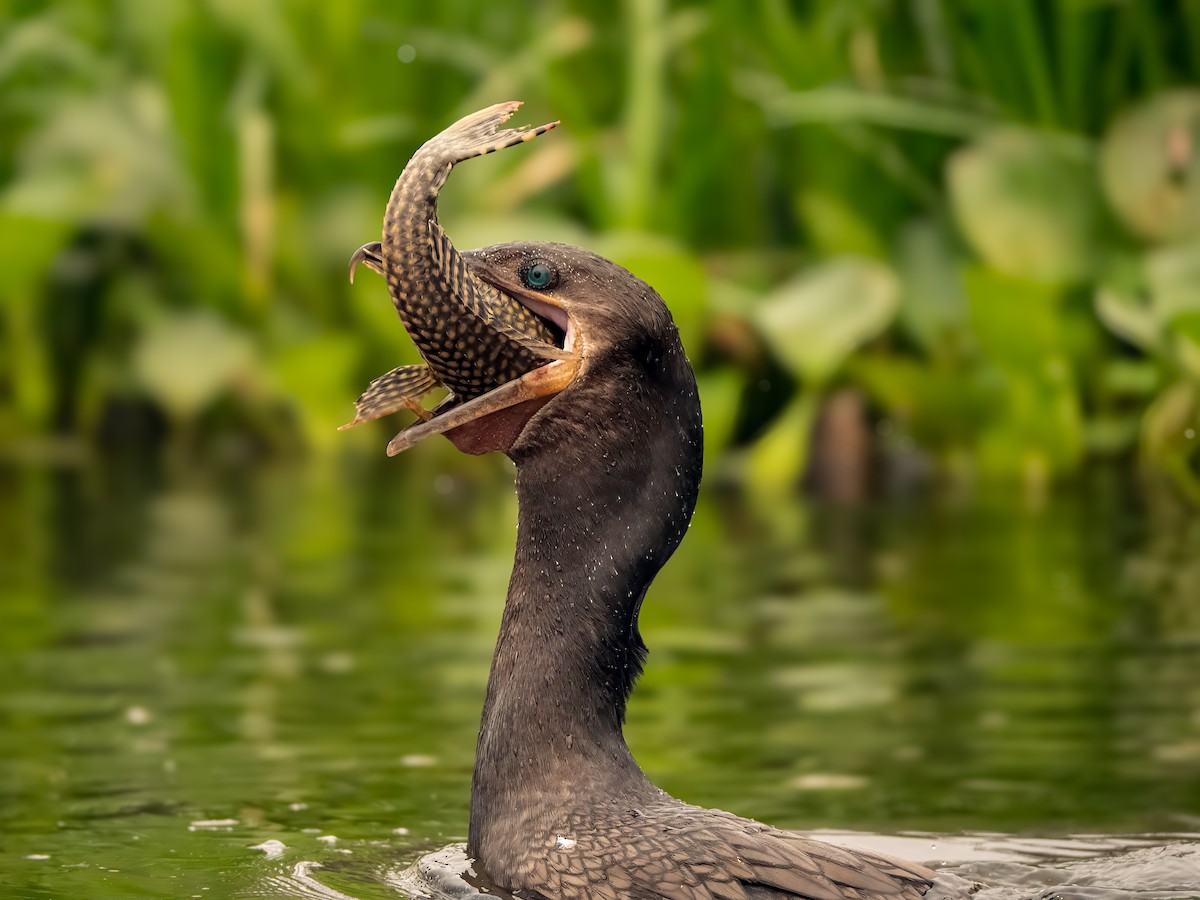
(598, 518)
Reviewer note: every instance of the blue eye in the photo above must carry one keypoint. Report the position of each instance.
(539, 276)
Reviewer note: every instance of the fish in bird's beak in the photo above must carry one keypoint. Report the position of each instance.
(491, 352)
(496, 419)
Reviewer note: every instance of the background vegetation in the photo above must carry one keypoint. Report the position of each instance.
(908, 242)
(969, 231)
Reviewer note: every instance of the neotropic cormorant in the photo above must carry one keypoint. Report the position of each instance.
(608, 468)
(607, 442)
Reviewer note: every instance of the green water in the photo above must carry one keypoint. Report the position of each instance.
(299, 654)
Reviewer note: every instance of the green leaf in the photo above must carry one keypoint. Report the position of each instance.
(1016, 323)
(1027, 205)
(934, 307)
(1149, 167)
(1039, 429)
(942, 410)
(816, 320)
(839, 104)
(1173, 278)
(1136, 378)
(1187, 351)
(1111, 435)
(1129, 320)
(108, 157)
(187, 360)
(1172, 281)
(1166, 423)
(834, 225)
(777, 459)
(30, 245)
(1187, 325)
(315, 377)
(720, 395)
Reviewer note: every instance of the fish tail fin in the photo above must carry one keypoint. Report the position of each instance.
(398, 389)
(480, 133)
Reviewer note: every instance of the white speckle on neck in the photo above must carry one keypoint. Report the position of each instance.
(564, 843)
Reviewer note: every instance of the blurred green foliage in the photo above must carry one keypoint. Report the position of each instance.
(983, 217)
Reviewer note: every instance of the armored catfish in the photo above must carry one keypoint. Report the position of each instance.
(472, 337)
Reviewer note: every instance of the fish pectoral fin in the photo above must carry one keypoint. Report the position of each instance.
(399, 389)
(370, 255)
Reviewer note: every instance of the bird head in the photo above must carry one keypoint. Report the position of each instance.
(625, 366)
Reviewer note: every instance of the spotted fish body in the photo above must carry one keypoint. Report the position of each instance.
(472, 337)
(430, 285)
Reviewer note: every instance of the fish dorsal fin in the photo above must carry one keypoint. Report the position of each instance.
(503, 314)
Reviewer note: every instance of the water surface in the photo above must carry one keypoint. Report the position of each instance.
(207, 677)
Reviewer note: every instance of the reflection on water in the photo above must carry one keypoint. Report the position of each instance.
(208, 678)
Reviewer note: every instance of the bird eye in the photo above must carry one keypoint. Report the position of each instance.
(539, 276)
